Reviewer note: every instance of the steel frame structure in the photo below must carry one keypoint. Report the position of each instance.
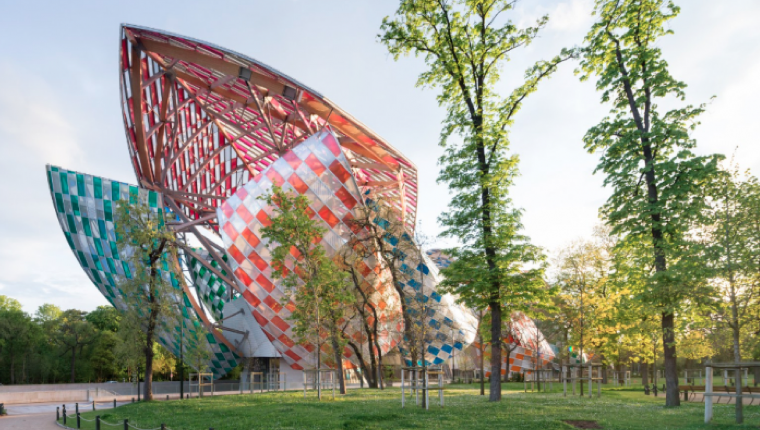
(201, 121)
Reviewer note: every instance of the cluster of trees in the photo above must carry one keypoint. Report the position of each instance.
(678, 257)
(602, 300)
(675, 268)
(331, 293)
(55, 345)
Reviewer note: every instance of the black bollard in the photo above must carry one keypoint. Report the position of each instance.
(93, 405)
(167, 397)
(57, 413)
(79, 424)
(133, 399)
(114, 403)
(126, 424)
(64, 414)
(76, 408)
(97, 422)
(163, 426)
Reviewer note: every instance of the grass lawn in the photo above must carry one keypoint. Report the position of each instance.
(464, 409)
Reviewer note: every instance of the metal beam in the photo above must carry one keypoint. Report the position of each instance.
(135, 81)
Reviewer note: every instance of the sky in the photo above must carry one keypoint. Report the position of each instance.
(59, 104)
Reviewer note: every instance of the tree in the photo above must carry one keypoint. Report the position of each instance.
(104, 318)
(9, 303)
(48, 318)
(464, 44)
(197, 352)
(646, 155)
(318, 296)
(588, 298)
(148, 290)
(365, 313)
(734, 233)
(382, 234)
(74, 333)
(17, 335)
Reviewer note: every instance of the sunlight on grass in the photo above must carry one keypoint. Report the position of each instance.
(464, 409)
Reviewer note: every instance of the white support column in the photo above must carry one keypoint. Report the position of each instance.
(564, 380)
(573, 373)
(402, 387)
(427, 391)
(708, 397)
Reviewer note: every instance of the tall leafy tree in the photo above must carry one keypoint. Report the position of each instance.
(18, 335)
(104, 318)
(646, 154)
(9, 303)
(149, 286)
(74, 333)
(318, 290)
(465, 43)
(733, 232)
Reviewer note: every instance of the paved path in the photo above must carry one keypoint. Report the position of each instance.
(29, 422)
(38, 416)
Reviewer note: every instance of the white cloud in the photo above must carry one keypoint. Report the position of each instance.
(31, 118)
(571, 15)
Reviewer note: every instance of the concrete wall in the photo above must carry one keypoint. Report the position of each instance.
(54, 393)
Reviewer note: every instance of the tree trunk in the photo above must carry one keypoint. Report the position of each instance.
(73, 364)
(669, 358)
(495, 382)
(644, 372)
(482, 359)
(338, 360)
(13, 369)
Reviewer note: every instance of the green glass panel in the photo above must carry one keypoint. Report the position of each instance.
(86, 227)
(114, 250)
(111, 266)
(220, 356)
(82, 260)
(110, 279)
(75, 205)
(80, 185)
(59, 203)
(68, 239)
(99, 248)
(64, 182)
(96, 276)
(50, 180)
(220, 291)
(133, 194)
(102, 229)
(115, 191)
(53, 168)
(152, 199)
(98, 186)
(72, 224)
(127, 273)
(212, 281)
(202, 272)
(224, 348)
(108, 210)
